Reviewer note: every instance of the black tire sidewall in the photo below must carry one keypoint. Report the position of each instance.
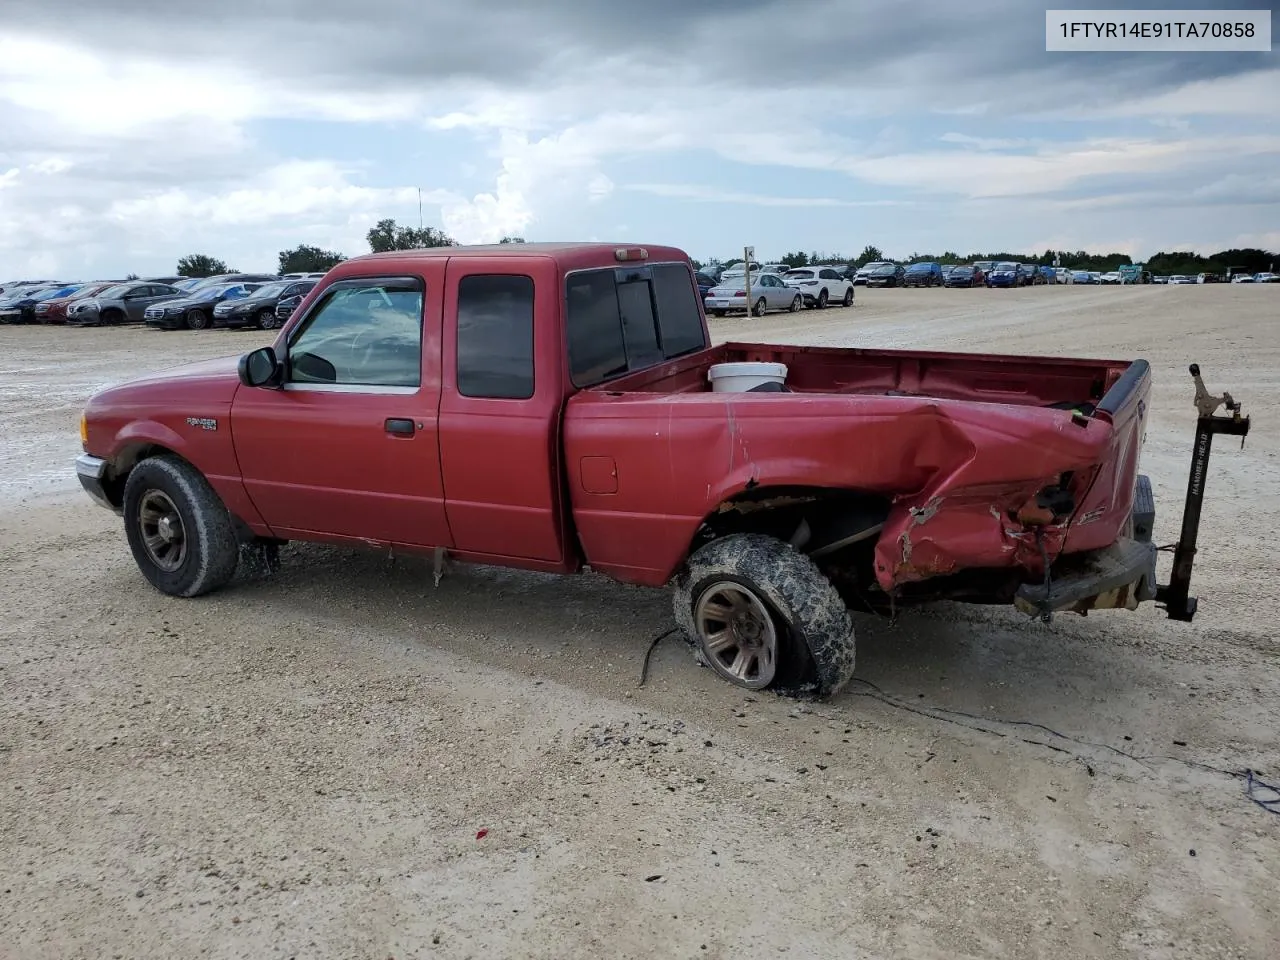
(212, 550)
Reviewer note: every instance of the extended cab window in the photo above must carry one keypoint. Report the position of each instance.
(362, 332)
(625, 318)
(495, 336)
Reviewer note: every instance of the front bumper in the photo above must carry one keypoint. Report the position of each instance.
(92, 471)
(173, 322)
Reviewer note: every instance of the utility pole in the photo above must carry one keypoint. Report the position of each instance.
(419, 209)
(748, 254)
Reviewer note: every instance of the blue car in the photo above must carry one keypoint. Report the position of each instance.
(1005, 275)
(705, 283)
(924, 274)
(1082, 276)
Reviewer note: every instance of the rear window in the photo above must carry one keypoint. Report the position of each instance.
(623, 319)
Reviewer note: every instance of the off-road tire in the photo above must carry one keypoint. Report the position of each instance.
(213, 550)
(816, 639)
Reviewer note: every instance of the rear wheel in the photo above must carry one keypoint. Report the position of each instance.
(197, 320)
(179, 530)
(760, 307)
(761, 615)
(822, 299)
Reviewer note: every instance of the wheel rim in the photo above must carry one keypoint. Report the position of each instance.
(196, 320)
(822, 299)
(796, 304)
(738, 637)
(760, 305)
(848, 297)
(163, 535)
(267, 319)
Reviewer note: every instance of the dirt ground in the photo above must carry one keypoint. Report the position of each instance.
(301, 766)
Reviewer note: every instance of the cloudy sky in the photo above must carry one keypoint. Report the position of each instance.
(134, 131)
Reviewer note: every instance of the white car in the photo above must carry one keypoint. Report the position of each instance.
(1243, 278)
(1112, 277)
(820, 286)
(1180, 279)
(1266, 277)
(1065, 275)
(778, 269)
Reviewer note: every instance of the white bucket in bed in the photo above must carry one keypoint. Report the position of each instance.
(741, 377)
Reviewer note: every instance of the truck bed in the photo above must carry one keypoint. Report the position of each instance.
(1030, 381)
(954, 445)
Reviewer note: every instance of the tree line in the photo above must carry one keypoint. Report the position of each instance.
(1248, 260)
(387, 235)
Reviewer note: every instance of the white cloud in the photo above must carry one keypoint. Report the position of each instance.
(704, 194)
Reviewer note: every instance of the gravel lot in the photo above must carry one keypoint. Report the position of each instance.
(301, 766)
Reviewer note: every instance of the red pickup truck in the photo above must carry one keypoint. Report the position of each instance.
(560, 407)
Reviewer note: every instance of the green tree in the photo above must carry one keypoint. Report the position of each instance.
(869, 254)
(308, 259)
(513, 240)
(387, 235)
(133, 276)
(201, 265)
(797, 259)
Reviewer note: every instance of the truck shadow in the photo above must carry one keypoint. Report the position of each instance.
(592, 633)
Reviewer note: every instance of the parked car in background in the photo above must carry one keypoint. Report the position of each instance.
(169, 281)
(22, 308)
(923, 274)
(768, 292)
(302, 276)
(820, 286)
(258, 309)
(1005, 274)
(55, 310)
(863, 272)
(1111, 276)
(195, 310)
(946, 270)
(884, 274)
(1243, 278)
(222, 278)
(705, 283)
(1047, 274)
(1206, 278)
(1180, 279)
(778, 269)
(1064, 275)
(986, 266)
(122, 303)
(964, 275)
(286, 306)
(1266, 277)
(1082, 276)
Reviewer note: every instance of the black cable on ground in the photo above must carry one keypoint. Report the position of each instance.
(653, 645)
(1253, 785)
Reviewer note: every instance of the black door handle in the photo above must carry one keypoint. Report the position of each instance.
(400, 427)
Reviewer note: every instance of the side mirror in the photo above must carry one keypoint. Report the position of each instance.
(259, 368)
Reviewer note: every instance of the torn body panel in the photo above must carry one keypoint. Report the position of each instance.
(956, 458)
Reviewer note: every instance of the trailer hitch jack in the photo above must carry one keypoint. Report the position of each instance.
(1175, 595)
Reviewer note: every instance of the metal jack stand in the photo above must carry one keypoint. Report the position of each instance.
(1174, 596)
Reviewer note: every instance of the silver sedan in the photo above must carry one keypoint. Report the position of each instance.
(768, 292)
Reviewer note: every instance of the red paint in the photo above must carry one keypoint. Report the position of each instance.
(622, 475)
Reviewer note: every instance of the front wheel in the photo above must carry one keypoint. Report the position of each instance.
(848, 298)
(796, 303)
(179, 530)
(197, 320)
(762, 615)
(760, 308)
(267, 319)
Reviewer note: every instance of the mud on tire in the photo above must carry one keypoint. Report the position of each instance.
(211, 549)
(816, 637)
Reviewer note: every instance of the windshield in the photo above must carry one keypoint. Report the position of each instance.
(799, 274)
(1007, 267)
(962, 269)
(212, 292)
(116, 292)
(877, 265)
(883, 268)
(56, 293)
(270, 289)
